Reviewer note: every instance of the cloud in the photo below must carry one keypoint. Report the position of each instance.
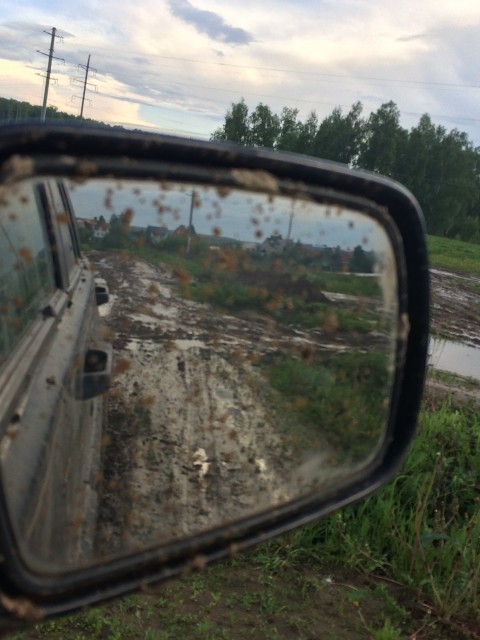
(12, 35)
(23, 40)
(415, 36)
(209, 23)
(167, 62)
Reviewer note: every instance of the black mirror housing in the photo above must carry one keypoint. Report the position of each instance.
(83, 153)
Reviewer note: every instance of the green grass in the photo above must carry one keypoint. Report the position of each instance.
(454, 254)
(423, 529)
(454, 379)
(218, 278)
(288, 310)
(343, 398)
(347, 283)
(404, 563)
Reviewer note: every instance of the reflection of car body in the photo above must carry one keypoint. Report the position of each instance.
(53, 366)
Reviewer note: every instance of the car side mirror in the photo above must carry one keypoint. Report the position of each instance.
(268, 321)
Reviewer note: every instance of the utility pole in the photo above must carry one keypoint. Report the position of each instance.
(49, 69)
(189, 231)
(292, 213)
(85, 82)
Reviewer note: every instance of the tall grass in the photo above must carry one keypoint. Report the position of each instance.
(422, 529)
(343, 398)
(454, 254)
(346, 283)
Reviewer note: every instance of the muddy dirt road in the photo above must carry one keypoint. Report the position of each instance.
(456, 306)
(195, 434)
(455, 317)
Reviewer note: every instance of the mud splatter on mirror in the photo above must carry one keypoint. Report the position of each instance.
(253, 339)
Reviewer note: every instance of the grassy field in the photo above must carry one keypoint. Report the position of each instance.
(443, 253)
(345, 396)
(454, 254)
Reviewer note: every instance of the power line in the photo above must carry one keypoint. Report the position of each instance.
(287, 99)
(340, 76)
(305, 101)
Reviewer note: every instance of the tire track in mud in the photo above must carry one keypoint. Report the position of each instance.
(455, 306)
(195, 436)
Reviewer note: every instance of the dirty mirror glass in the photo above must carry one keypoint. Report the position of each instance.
(221, 353)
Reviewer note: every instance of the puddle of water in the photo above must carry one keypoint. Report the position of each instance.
(455, 357)
(182, 345)
(148, 321)
(162, 310)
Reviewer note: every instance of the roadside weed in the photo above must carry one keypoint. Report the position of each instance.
(422, 529)
(387, 632)
(454, 254)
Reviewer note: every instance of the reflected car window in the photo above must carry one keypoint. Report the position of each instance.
(26, 272)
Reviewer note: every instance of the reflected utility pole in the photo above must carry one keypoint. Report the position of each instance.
(292, 213)
(189, 230)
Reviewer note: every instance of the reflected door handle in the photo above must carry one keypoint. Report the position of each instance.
(102, 295)
(96, 376)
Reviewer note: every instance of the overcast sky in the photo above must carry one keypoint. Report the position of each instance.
(176, 66)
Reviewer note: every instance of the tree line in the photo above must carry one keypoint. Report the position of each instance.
(12, 110)
(440, 167)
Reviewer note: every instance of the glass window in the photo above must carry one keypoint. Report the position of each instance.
(58, 208)
(26, 273)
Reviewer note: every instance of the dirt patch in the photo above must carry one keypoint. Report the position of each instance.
(282, 284)
(244, 601)
(455, 316)
(455, 306)
(196, 436)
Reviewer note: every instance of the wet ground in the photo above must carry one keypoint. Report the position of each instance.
(195, 436)
(455, 327)
(456, 306)
(218, 437)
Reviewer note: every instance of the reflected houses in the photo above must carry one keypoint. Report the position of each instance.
(333, 259)
(94, 229)
(327, 258)
(97, 229)
(86, 223)
(154, 235)
(275, 244)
